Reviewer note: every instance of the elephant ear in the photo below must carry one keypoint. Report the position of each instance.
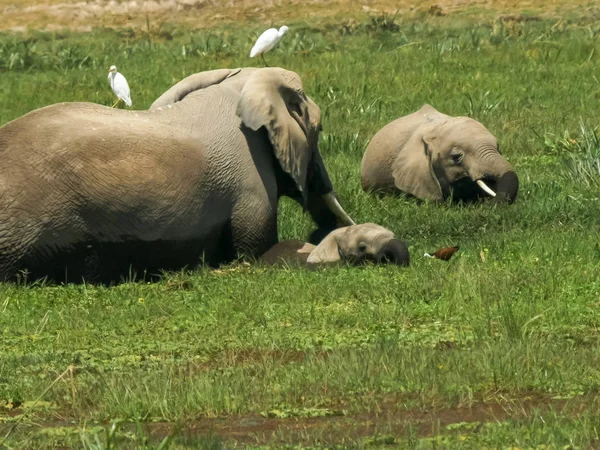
(328, 249)
(193, 83)
(412, 169)
(274, 99)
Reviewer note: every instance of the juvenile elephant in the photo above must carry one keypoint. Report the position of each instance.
(430, 155)
(90, 191)
(354, 244)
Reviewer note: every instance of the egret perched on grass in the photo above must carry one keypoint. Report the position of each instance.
(119, 85)
(267, 41)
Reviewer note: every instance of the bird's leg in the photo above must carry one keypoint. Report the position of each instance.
(262, 55)
(116, 103)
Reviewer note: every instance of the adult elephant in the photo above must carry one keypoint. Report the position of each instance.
(355, 244)
(430, 155)
(90, 191)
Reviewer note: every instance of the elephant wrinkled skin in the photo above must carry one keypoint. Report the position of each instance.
(355, 244)
(430, 155)
(94, 192)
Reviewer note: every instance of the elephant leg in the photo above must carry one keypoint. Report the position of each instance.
(254, 230)
(9, 265)
(147, 260)
(14, 249)
(64, 264)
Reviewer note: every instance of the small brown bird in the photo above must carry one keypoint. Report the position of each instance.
(444, 253)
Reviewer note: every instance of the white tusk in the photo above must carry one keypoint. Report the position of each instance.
(485, 188)
(337, 209)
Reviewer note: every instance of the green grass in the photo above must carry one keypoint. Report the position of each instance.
(197, 357)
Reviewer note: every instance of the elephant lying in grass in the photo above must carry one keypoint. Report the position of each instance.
(433, 156)
(94, 192)
(354, 244)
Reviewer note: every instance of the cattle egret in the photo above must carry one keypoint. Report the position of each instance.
(267, 41)
(119, 85)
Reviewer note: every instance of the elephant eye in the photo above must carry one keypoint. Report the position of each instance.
(457, 157)
(362, 247)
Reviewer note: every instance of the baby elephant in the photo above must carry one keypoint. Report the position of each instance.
(355, 244)
(430, 155)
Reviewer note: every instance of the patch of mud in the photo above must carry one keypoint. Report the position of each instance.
(389, 419)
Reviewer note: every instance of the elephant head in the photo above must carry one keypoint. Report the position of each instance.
(356, 244)
(439, 156)
(273, 100)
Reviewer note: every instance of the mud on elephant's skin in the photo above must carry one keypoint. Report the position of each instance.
(95, 192)
(430, 155)
(356, 244)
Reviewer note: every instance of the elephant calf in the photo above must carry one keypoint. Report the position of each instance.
(430, 155)
(355, 244)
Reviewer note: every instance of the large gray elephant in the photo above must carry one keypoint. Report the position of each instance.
(355, 244)
(90, 191)
(430, 155)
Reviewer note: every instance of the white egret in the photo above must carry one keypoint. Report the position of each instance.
(267, 41)
(119, 85)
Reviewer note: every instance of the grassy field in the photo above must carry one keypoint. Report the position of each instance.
(497, 348)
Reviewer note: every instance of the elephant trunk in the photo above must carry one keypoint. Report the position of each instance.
(394, 252)
(321, 202)
(507, 187)
(494, 176)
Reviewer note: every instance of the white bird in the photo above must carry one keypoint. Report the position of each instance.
(267, 41)
(119, 85)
